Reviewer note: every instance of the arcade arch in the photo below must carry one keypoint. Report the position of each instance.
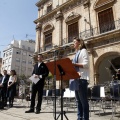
(105, 67)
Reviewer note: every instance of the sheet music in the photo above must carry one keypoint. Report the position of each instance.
(33, 79)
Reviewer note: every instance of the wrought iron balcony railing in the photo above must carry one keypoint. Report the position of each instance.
(101, 29)
(87, 34)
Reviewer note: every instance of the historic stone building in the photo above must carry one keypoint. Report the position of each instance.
(96, 21)
(0, 64)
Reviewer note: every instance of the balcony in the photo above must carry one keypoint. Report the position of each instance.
(100, 30)
(93, 32)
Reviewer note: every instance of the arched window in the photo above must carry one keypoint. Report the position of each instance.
(49, 7)
(72, 23)
(48, 29)
(105, 15)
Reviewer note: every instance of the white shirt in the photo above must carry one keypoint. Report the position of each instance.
(39, 64)
(84, 60)
(11, 79)
(3, 79)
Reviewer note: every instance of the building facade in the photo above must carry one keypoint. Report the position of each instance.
(0, 64)
(96, 21)
(18, 55)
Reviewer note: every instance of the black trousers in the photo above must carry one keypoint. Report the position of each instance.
(3, 95)
(11, 93)
(36, 89)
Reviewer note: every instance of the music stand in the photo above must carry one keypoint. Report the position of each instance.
(64, 71)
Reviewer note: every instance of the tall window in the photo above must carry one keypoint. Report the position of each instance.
(48, 41)
(17, 59)
(9, 67)
(73, 31)
(29, 48)
(24, 53)
(49, 8)
(23, 46)
(23, 61)
(106, 20)
(4, 55)
(7, 54)
(17, 68)
(29, 62)
(18, 52)
(9, 60)
(6, 61)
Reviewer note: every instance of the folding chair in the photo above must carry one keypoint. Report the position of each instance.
(44, 94)
(49, 95)
(95, 99)
(115, 97)
(69, 97)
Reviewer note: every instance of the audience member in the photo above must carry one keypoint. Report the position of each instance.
(3, 87)
(12, 87)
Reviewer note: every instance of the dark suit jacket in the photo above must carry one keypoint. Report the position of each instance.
(41, 70)
(5, 82)
(118, 76)
(1, 79)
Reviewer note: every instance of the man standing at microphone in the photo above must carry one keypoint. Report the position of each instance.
(40, 71)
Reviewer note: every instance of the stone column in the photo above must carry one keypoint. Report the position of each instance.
(38, 37)
(58, 37)
(34, 58)
(41, 9)
(96, 78)
(58, 28)
(91, 58)
(38, 42)
(39, 12)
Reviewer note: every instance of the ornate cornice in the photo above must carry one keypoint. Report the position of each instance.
(102, 3)
(38, 26)
(48, 27)
(40, 2)
(86, 3)
(59, 16)
(107, 39)
(70, 4)
(72, 16)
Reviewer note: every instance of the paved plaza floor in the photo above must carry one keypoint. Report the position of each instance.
(17, 112)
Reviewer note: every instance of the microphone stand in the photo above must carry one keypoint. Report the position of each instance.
(54, 84)
(54, 81)
(64, 71)
(61, 71)
(54, 52)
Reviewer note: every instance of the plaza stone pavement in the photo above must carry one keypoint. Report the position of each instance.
(17, 112)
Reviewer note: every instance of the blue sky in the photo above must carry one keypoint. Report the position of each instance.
(16, 20)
